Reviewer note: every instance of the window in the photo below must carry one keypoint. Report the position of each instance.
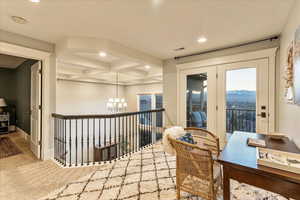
(150, 102)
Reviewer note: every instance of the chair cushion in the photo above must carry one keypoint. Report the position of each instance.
(187, 138)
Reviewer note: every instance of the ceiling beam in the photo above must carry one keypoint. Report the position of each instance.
(84, 44)
(85, 62)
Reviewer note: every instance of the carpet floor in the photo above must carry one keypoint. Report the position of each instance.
(149, 174)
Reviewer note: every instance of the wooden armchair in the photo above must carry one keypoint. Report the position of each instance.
(205, 139)
(196, 171)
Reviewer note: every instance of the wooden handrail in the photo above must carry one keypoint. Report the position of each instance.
(60, 116)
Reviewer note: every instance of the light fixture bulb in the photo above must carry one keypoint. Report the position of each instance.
(103, 54)
(147, 66)
(35, 1)
(202, 39)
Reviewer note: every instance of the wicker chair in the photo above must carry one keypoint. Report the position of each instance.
(196, 171)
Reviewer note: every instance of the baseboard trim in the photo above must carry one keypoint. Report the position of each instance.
(25, 135)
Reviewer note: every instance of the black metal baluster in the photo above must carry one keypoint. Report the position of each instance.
(129, 135)
(94, 144)
(81, 141)
(59, 143)
(109, 149)
(115, 139)
(119, 138)
(88, 141)
(147, 128)
(136, 132)
(123, 136)
(70, 143)
(126, 139)
(76, 144)
(99, 137)
(140, 130)
(151, 128)
(133, 131)
(65, 142)
(104, 145)
(55, 136)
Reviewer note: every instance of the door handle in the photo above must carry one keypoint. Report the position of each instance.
(262, 115)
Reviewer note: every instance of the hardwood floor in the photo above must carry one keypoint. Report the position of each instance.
(24, 177)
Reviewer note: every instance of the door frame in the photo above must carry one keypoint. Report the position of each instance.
(269, 54)
(45, 58)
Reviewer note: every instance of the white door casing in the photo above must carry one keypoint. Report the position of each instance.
(49, 87)
(35, 124)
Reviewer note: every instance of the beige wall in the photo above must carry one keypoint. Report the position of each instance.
(289, 115)
(131, 93)
(170, 74)
(84, 98)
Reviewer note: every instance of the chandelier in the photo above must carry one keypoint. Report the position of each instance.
(116, 104)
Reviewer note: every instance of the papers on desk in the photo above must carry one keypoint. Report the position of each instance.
(279, 159)
(256, 142)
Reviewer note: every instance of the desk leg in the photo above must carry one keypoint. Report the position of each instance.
(226, 184)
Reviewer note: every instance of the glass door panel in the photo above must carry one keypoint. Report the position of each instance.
(241, 100)
(196, 101)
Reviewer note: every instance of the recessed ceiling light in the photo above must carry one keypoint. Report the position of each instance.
(35, 1)
(147, 66)
(19, 20)
(202, 39)
(102, 54)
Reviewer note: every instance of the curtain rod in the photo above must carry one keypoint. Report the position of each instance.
(225, 48)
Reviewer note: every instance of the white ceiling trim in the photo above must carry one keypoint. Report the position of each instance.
(82, 44)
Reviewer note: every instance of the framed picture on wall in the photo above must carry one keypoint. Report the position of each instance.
(297, 66)
(289, 75)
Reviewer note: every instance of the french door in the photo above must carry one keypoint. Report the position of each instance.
(226, 98)
(198, 98)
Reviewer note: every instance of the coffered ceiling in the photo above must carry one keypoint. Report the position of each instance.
(101, 60)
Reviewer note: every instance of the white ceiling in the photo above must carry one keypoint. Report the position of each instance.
(153, 26)
(11, 62)
(136, 33)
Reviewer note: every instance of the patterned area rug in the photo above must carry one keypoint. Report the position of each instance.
(8, 148)
(146, 175)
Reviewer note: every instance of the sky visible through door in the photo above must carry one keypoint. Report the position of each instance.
(241, 100)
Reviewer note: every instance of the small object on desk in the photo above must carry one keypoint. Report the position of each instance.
(276, 136)
(256, 142)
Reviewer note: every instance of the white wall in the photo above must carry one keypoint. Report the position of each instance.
(84, 98)
(131, 93)
(289, 115)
